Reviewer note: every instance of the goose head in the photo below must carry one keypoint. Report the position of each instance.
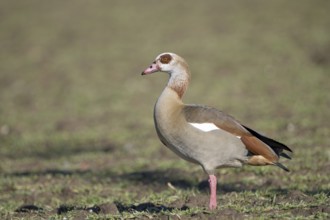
(176, 67)
(167, 62)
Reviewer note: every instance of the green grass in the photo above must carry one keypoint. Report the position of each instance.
(76, 127)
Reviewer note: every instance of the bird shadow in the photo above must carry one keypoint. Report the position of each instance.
(177, 178)
(154, 179)
(181, 179)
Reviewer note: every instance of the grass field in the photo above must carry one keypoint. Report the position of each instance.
(76, 130)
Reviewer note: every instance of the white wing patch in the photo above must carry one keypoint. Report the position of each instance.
(205, 126)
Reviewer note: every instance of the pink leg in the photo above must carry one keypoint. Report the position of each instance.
(213, 192)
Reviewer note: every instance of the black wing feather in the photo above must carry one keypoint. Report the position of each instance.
(275, 145)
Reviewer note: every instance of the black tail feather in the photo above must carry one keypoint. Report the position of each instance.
(282, 166)
(275, 145)
(285, 155)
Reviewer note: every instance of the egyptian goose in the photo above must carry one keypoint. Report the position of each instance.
(205, 135)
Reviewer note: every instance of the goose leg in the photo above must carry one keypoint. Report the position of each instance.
(213, 191)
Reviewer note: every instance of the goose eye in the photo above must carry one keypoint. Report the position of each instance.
(165, 59)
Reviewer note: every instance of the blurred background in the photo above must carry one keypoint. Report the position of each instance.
(70, 72)
(76, 116)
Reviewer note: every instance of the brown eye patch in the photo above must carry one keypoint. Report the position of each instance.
(165, 59)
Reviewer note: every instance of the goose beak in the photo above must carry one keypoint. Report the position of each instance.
(151, 69)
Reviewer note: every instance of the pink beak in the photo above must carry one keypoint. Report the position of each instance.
(151, 69)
